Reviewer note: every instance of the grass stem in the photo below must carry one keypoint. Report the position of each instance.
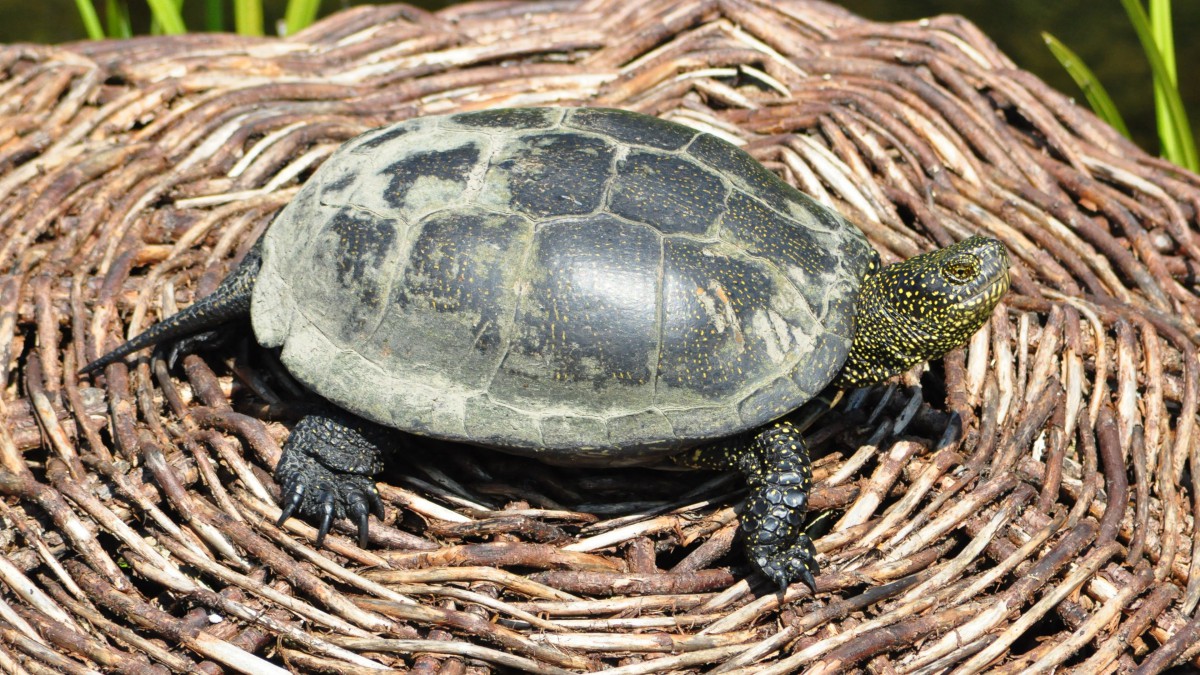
(248, 17)
(91, 21)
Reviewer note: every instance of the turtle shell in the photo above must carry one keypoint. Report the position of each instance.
(582, 285)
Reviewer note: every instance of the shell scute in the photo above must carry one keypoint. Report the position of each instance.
(712, 347)
(430, 179)
(585, 333)
(542, 175)
(458, 285)
(669, 192)
(500, 119)
(630, 128)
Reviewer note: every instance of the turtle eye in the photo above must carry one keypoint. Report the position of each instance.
(962, 270)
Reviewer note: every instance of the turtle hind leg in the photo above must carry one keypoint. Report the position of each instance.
(201, 324)
(328, 467)
(208, 340)
(778, 472)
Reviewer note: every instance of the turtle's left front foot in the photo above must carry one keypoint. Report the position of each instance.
(778, 471)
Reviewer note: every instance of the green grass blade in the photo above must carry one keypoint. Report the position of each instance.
(116, 17)
(214, 15)
(300, 14)
(166, 14)
(1164, 35)
(91, 21)
(248, 17)
(1176, 136)
(1102, 104)
(1164, 38)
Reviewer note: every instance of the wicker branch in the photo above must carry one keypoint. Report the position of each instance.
(1029, 503)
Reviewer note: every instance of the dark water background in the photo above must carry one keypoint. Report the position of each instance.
(1097, 30)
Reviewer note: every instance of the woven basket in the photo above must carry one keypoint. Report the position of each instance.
(1024, 505)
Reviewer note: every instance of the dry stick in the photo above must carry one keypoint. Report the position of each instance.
(897, 518)
(73, 640)
(489, 574)
(17, 480)
(48, 418)
(879, 640)
(1056, 449)
(120, 633)
(817, 617)
(1170, 653)
(462, 621)
(1029, 581)
(649, 643)
(676, 622)
(717, 545)
(1010, 404)
(1116, 480)
(897, 624)
(1086, 567)
(468, 650)
(880, 483)
(980, 540)
(1102, 618)
(47, 335)
(1141, 511)
(167, 626)
(10, 299)
(1153, 605)
(40, 652)
(45, 555)
(1153, 373)
(289, 568)
(472, 597)
(624, 583)
(1127, 381)
(1192, 592)
(10, 664)
(949, 519)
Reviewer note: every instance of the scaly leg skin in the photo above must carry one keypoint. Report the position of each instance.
(328, 467)
(209, 340)
(778, 471)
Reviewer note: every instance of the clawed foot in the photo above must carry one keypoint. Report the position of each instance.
(779, 474)
(795, 562)
(318, 495)
(327, 471)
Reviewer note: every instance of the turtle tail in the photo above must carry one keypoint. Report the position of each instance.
(230, 302)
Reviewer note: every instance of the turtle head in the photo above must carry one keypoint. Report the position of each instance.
(921, 308)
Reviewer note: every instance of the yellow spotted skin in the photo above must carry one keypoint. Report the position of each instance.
(923, 307)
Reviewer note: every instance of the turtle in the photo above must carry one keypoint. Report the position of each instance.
(586, 286)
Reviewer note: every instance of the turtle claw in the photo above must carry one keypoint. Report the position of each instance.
(326, 510)
(808, 579)
(359, 513)
(291, 501)
(376, 503)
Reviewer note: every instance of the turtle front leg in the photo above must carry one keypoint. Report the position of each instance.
(328, 467)
(779, 473)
